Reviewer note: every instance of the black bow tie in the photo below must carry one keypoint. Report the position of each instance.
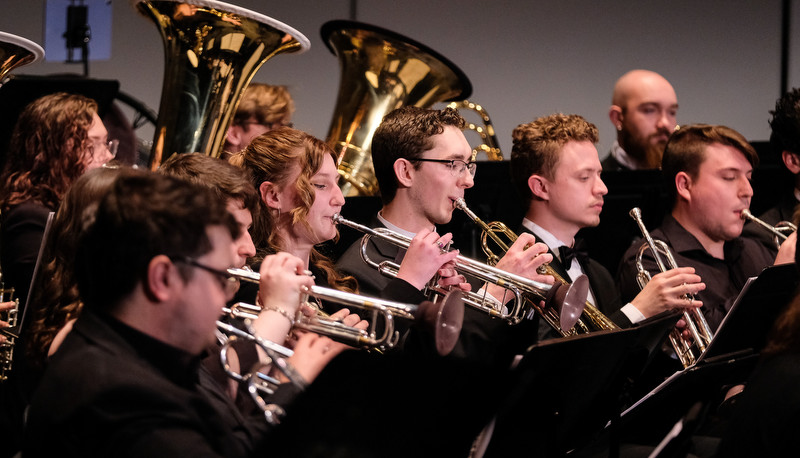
(575, 252)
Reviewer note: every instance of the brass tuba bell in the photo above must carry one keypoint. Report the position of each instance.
(381, 70)
(16, 51)
(212, 50)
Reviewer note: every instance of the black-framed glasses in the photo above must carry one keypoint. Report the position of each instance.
(270, 126)
(227, 282)
(457, 167)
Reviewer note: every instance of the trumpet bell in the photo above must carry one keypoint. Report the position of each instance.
(381, 70)
(212, 50)
(570, 300)
(443, 320)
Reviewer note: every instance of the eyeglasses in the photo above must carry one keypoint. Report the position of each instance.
(227, 282)
(457, 166)
(111, 146)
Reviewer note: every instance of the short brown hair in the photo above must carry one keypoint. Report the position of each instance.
(228, 181)
(686, 151)
(267, 104)
(405, 133)
(537, 145)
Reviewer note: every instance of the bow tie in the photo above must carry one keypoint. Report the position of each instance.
(578, 251)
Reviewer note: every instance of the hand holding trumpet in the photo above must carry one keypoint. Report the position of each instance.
(669, 290)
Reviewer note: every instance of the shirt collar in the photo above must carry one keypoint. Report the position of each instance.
(622, 157)
(685, 241)
(394, 228)
(544, 236)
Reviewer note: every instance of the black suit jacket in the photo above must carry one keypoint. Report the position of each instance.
(601, 282)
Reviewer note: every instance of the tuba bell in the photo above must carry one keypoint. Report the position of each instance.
(380, 71)
(16, 51)
(212, 50)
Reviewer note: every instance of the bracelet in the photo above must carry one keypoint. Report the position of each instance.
(283, 312)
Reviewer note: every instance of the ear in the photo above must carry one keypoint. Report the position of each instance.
(404, 172)
(791, 161)
(161, 277)
(234, 136)
(683, 185)
(539, 187)
(270, 194)
(615, 115)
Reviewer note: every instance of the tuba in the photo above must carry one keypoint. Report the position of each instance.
(591, 319)
(212, 50)
(381, 70)
(687, 349)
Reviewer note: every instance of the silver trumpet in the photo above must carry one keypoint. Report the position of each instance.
(443, 319)
(687, 349)
(259, 382)
(780, 231)
(568, 299)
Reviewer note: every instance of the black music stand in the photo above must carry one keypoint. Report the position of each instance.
(390, 405)
(565, 391)
(729, 358)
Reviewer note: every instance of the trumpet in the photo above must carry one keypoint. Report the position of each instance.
(442, 320)
(780, 231)
(591, 319)
(687, 349)
(258, 380)
(565, 301)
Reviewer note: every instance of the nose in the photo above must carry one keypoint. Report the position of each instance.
(467, 180)
(746, 189)
(667, 121)
(600, 187)
(246, 247)
(337, 198)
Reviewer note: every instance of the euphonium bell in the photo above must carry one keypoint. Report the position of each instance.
(212, 50)
(16, 51)
(381, 70)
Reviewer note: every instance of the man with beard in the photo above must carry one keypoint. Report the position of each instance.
(643, 111)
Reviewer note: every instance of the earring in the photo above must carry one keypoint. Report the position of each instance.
(619, 127)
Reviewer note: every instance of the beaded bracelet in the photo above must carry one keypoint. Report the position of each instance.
(283, 312)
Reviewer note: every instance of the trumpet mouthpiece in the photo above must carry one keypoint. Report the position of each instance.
(746, 214)
(460, 203)
(335, 218)
(635, 212)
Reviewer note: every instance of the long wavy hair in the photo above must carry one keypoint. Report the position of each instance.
(56, 299)
(48, 150)
(271, 157)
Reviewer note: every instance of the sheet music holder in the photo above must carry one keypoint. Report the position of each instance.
(730, 356)
(564, 391)
(37, 268)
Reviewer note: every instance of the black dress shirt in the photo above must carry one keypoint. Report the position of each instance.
(113, 391)
(724, 278)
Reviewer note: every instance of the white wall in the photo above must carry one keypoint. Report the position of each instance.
(524, 58)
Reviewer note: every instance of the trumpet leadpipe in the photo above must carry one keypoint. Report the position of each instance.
(746, 215)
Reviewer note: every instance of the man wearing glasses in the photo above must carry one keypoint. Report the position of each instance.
(423, 164)
(125, 381)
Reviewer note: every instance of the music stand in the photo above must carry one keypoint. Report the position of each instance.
(565, 391)
(729, 358)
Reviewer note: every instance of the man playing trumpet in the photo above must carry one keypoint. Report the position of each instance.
(556, 169)
(423, 164)
(708, 170)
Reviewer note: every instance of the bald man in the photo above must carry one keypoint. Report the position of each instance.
(643, 111)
